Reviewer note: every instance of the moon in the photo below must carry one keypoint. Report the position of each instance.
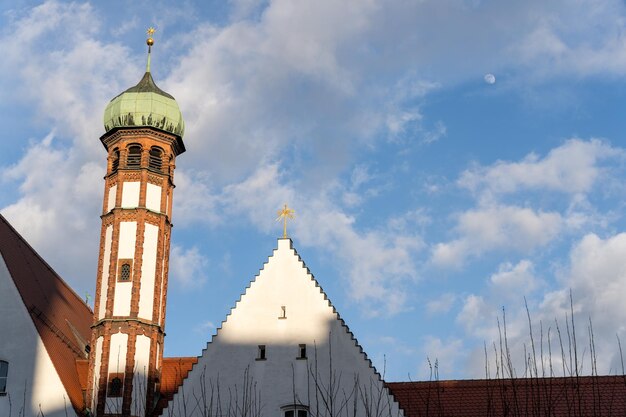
(490, 78)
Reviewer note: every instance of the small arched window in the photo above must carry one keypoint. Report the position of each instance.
(295, 411)
(115, 385)
(156, 161)
(124, 273)
(4, 374)
(133, 160)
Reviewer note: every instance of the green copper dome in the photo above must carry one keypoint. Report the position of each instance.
(145, 105)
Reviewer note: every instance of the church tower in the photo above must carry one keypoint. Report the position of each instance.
(144, 130)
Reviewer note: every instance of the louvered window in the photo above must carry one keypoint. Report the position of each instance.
(133, 160)
(4, 374)
(116, 161)
(155, 159)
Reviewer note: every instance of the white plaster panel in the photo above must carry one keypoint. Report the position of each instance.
(29, 362)
(148, 271)
(128, 236)
(123, 295)
(130, 194)
(104, 278)
(161, 282)
(153, 197)
(117, 352)
(126, 250)
(310, 320)
(97, 366)
(111, 198)
(117, 364)
(140, 377)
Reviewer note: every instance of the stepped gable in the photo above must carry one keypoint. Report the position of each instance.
(555, 397)
(61, 317)
(220, 329)
(330, 304)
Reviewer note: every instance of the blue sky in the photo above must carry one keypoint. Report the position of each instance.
(429, 195)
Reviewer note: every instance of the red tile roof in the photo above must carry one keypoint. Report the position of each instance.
(589, 396)
(60, 316)
(173, 372)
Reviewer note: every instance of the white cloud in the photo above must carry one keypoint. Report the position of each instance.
(513, 281)
(570, 168)
(53, 66)
(188, 266)
(312, 78)
(52, 208)
(205, 328)
(497, 228)
(596, 276)
(439, 131)
(377, 264)
(441, 304)
(445, 354)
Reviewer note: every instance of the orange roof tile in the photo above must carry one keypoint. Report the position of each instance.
(551, 397)
(60, 316)
(173, 372)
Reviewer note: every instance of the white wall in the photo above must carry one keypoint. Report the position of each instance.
(140, 378)
(153, 197)
(130, 194)
(117, 364)
(148, 271)
(126, 250)
(104, 278)
(97, 365)
(128, 236)
(310, 320)
(29, 362)
(111, 198)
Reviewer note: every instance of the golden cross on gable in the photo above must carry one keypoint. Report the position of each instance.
(285, 214)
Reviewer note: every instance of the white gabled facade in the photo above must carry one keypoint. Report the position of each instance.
(283, 347)
(33, 386)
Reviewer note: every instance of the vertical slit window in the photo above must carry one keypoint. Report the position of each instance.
(261, 353)
(156, 161)
(4, 374)
(302, 351)
(133, 160)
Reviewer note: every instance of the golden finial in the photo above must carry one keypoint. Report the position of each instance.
(150, 32)
(284, 214)
(150, 42)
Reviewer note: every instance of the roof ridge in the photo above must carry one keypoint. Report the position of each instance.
(46, 264)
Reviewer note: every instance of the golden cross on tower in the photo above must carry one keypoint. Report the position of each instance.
(285, 214)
